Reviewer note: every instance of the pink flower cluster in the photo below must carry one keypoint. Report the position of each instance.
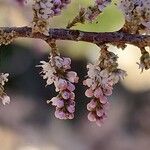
(100, 84)
(48, 8)
(56, 71)
(3, 96)
(137, 15)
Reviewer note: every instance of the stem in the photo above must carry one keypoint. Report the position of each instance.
(77, 35)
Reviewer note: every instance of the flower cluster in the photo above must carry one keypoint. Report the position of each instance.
(137, 15)
(144, 60)
(6, 37)
(93, 12)
(102, 76)
(3, 96)
(44, 10)
(56, 71)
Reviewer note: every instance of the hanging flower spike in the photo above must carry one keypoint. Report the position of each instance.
(56, 71)
(3, 96)
(102, 76)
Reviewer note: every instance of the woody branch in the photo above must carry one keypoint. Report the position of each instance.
(77, 35)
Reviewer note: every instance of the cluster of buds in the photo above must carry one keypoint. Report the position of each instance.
(6, 37)
(93, 12)
(101, 78)
(144, 60)
(137, 15)
(3, 96)
(56, 71)
(44, 10)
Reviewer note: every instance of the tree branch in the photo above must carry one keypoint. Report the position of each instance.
(77, 35)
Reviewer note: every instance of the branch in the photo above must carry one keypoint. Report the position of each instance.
(77, 35)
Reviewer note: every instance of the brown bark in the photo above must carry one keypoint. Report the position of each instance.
(77, 35)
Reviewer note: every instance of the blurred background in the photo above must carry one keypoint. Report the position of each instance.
(28, 123)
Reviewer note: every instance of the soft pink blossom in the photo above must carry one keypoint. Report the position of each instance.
(72, 76)
(70, 87)
(91, 117)
(62, 84)
(71, 109)
(89, 92)
(66, 63)
(98, 92)
(5, 99)
(60, 114)
(65, 95)
(103, 99)
(99, 112)
(91, 105)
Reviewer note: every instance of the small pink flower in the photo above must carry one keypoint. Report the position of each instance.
(104, 73)
(5, 99)
(72, 103)
(70, 116)
(103, 99)
(57, 2)
(91, 117)
(66, 63)
(89, 92)
(107, 82)
(70, 87)
(60, 114)
(54, 100)
(58, 61)
(72, 96)
(91, 105)
(3, 78)
(114, 78)
(57, 11)
(98, 92)
(65, 95)
(84, 82)
(71, 109)
(88, 82)
(60, 104)
(108, 91)
(72, 76)
(99, 112)
(62, 84)
(49, 81)
(94, 85)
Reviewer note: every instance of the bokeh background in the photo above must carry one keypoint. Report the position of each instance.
(28, 123)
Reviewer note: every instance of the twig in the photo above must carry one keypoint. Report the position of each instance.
(77, 35)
